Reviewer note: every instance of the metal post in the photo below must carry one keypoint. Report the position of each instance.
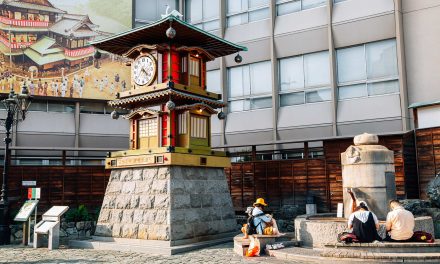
(16, 105)
(5, 231)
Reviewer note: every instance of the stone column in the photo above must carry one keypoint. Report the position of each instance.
(368, 169)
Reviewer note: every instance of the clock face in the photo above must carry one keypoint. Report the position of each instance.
(144, 70)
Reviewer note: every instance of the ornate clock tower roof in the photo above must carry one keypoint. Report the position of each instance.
(154, 33)
(168, 59)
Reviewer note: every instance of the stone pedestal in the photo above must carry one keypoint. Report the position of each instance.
(368, 169)
(176, 204)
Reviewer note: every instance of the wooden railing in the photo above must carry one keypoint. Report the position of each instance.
(14, 45)
(23, 23)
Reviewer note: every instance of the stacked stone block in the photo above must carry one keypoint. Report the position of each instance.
(172, 203)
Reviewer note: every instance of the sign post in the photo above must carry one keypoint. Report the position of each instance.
(25, 213)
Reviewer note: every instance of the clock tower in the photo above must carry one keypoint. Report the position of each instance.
(169, 188)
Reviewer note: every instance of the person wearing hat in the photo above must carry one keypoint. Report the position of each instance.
(264, 223)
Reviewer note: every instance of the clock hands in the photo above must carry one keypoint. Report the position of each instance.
(144, 71)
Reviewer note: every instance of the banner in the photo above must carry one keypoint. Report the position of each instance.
(45, 45)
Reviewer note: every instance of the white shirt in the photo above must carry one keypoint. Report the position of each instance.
(362, 216)
(401, 222)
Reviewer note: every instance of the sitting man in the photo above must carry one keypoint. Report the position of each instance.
(400, 223)
(264, 223)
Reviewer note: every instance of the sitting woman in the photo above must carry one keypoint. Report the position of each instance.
(264, 223)
(364, 224)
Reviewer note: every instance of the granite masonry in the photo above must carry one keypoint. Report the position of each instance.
(169, 203)
(368, 169)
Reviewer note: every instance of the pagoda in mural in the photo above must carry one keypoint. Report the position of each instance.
(37, 33)
(169, 188)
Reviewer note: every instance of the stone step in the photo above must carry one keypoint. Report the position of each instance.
(405, 257)
(387, 247)
(147, 246)
(310, 255)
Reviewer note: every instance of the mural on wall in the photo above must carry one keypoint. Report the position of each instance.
(45, 44)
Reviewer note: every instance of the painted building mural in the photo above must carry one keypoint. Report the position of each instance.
(45, 44)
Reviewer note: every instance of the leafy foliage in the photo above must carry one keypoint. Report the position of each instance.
(78, 214)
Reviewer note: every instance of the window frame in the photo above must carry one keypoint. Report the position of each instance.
(147, 127)
(366, 81)
(301, 6)
(305, 89)
(159, 10)
(249, 10)
(201, 23)
(250, 97)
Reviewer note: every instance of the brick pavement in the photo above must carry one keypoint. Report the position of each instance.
(216, 254)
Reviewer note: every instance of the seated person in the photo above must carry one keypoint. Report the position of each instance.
(264, 223)
(400, 223)
(364, 224)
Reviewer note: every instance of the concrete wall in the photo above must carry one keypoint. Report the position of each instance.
(421, 24)
(428, 117)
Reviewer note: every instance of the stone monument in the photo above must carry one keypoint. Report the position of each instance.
(169, 189)
(368, 170)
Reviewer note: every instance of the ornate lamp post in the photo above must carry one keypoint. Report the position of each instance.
(16, 106)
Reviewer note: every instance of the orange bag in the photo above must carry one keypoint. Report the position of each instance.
(254, 248)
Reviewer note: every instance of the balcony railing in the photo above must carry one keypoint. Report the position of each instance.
(23, 23)
(17, 45)
(78, 52)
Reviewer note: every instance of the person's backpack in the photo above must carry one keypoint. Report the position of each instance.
(346, 237)
(251, 228)
(422, 236)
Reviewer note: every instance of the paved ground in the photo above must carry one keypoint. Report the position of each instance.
(217, 254)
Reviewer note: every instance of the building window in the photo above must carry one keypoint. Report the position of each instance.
(199, 126)
(213, 81)
(148, 127)
(194, 67)
(250, 87)
(92, 108)
(290, 6)
(368, 70)
(204, 14)
(305, 79)
(38, 106)
(182, 124)
(194, 71)
(246, 11)
(148, 11)
(61, 107)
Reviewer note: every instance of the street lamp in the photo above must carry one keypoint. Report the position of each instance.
(16, 106)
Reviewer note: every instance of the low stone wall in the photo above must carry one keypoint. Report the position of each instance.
(82, 229)
(316, 231)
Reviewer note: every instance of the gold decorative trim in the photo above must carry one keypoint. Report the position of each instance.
(139, 50)
(197, 50)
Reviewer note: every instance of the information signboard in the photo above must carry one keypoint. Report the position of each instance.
(26, 210)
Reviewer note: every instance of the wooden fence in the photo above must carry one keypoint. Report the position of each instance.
(428, 156)
(288, 182)
(60, 185)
